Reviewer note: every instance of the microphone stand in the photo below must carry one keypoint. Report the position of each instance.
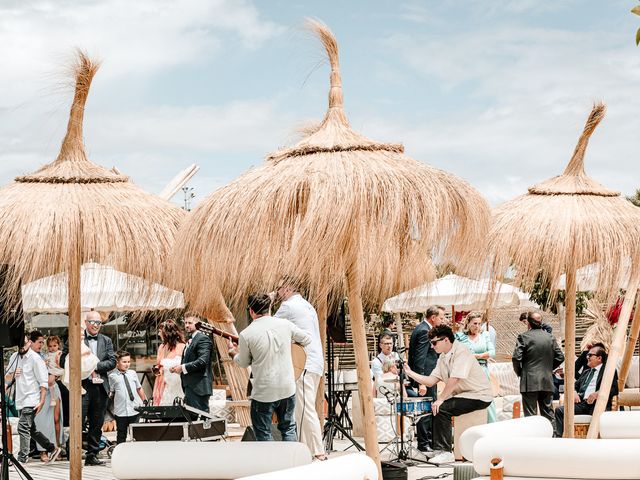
(332, 424)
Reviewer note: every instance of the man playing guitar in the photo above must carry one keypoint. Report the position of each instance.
(265, 345)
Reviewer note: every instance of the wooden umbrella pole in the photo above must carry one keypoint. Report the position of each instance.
(75, 396)
(218, 314)
(365, 387)
(322, 325)
(569, 352)
(631, 346)
(614, 353)
(237, 376)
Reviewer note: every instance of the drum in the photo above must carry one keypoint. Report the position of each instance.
(411, 406)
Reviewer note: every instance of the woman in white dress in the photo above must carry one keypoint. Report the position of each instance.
(168, 385)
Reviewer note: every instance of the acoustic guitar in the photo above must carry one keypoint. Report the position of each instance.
(298, 355)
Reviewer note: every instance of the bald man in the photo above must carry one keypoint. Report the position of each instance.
(94, 402)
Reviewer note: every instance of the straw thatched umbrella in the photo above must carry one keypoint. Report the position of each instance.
(341, 212)
(562, 224)
(73, 211)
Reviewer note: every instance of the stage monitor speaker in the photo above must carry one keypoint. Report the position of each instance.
(394, 471)
(11, 316)
(250, 435)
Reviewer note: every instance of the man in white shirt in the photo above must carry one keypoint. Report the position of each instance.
(386, 355)
(302, 314)
(587, 386)
(28, 370)
(466, 388)
(265, 346)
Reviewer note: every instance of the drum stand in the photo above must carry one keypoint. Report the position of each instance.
(405, 453)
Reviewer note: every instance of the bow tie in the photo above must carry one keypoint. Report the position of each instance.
(92, 337)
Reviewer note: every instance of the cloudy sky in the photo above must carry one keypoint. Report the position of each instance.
(494, 91)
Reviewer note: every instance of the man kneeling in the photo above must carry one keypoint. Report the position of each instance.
(466, 388)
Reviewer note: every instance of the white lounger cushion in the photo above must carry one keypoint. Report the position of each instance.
(204, 460)
(620, 424)
(346, 467)
(518, 427)
(561, 458)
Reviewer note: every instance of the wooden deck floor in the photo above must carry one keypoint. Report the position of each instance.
(59, 470)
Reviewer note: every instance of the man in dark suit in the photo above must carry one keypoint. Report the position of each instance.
(535, 357)
(422, 360)
(195, 370)
(94, 402)
(587, 386)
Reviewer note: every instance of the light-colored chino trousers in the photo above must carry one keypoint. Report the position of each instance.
(306, 416)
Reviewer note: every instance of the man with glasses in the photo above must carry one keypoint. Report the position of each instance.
(466, 389)
(95, 401)
(586, 388)
(534, 358)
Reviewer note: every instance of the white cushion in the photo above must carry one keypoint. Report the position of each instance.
(382, 407)
(535, 426)
(582, 419)
(387, 427)
(620, 424)
(345, 467)
(559, 457)
(508, 381)
(218, 394)
(204, 460)
(633, 380)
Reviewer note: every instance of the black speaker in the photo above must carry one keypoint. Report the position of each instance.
(394, 471)
(250, 436)
(11, 315)
(337, 324)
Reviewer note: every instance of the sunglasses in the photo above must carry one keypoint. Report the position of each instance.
(435, 342)
(589, 355)
(95, 323)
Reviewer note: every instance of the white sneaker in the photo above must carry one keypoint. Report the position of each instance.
(443, 457)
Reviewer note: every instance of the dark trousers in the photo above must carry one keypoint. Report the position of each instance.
(582, 408)
(262, 412)
(201, 402)
(94, 407)
(122, 425)
(64, 396)
(452, 407)
(532, 401)
(27, 431)
(423, 427)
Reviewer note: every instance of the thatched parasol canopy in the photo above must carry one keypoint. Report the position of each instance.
(562, 224)
(113, 221)
(73, 211)
(338, 211)
(567, 221)
(313, 209)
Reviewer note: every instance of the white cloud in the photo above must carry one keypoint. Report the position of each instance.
(526, 93)
(135, 37)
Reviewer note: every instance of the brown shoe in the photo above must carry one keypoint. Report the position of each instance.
(44, 457)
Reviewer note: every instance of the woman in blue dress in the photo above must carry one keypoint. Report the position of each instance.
(480, 344)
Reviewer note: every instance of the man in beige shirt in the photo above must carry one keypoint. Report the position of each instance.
(466, 388)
